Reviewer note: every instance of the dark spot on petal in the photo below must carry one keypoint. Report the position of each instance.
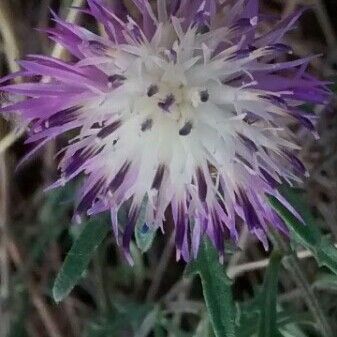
(296, 163)
(202, 185)
(119, 177)
(62, 117)
(204, 96)
(243, 161)
(109, 129)
(116, 78)
(167, 103)
(158, 178)
(147, 124)
(269, 179)
(153, 89)
(249, 212)
(78, 159)
(88, 199)
(180, 225)
(186, 129)
(248, 143)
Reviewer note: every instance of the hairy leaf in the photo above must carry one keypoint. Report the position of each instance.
(78, 258)
(217, 290)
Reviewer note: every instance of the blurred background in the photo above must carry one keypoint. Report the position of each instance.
(152, 298)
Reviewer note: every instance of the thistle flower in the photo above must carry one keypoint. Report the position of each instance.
(188, 106)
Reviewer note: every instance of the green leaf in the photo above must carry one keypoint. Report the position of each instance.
(308, 233)
(216, 289)
(78, 258)
(268, 317)
(144, 234)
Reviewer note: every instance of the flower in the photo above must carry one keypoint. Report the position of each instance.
(187, 106)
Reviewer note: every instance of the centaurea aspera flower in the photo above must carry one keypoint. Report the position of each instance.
(187, 106)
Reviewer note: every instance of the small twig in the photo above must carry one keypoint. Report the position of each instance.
(11, 47)
(46, 317)
(240, 269)
(10, 139)
(236, 271)
(183, 306)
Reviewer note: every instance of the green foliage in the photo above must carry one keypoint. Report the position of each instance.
(217, 290)
(127, 318)
(260, 316)
(268, 310)
(306, 233)
(79, 256)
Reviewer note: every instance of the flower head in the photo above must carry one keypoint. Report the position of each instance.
(187, 106)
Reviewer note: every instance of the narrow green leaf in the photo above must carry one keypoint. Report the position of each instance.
(217, 290)
(144, 234)
(78, 258)
(308, 233)
(268, 317)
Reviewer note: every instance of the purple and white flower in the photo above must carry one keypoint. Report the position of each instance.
(187, 105)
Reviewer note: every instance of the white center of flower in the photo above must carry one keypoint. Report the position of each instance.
(169, 105)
